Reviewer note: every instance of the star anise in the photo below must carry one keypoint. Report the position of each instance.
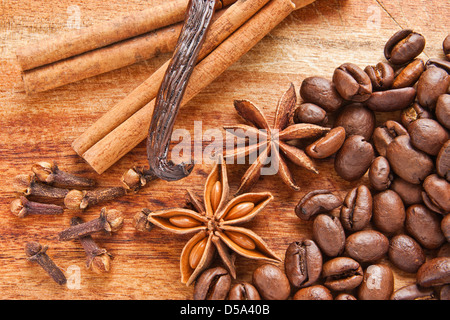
(215, 226)
(272, 142)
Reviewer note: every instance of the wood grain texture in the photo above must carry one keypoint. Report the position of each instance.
(311, 41)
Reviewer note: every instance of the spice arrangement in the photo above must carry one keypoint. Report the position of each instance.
(401, 215)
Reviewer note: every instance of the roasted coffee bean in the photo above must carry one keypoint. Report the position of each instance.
(391, 100)
(443, 161)
(385, 134)
(327, 145)
(410, 193)
(329, 234)
(356, 119)
(409, 74)
(243, 291)
(446, 47)
(443, 64)
(445, 227)
(413, 292)
(381, 76)
(317, 292)
(405, 253)
(366, 245)
(424, 226)
(322, 92)
(444, 293)
(345, 296)
(271, 282)
(354, 158)
(212, 284)
(310, 113)
(303, 263)
(404, 46)
(377, 284)
(315, 202)
(436, 194)
(443, 110)
(432, 83)
(427, 135)
(380, 176)
(434, 272)
(352, 82)
(388, 212)
(407, 162)
(356, 210)
(342, 273)
(414, 112)
(444, 250)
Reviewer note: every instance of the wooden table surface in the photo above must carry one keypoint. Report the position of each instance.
(41, 127)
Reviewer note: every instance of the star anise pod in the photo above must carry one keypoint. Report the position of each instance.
(272, 142)
(214, 224)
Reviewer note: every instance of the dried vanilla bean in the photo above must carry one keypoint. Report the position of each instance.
(172, 89)
(22, 207)
(137, 178)
(50, 173)
(80, 200)
(28, 186)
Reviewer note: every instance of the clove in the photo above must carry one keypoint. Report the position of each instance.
(109, 221)
(28, 185)
(140, 220)
(80, 200)
(49, 173)
(97, 259)
(37, 253)
(22, 207)
(136, 178)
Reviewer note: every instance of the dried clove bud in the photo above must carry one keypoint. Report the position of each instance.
(37, 253)
(80, 200)
(140, 220)
(109, 221)
(27, 185)
(22, 207)
(97, 259)
(136, 178)
(50, 173)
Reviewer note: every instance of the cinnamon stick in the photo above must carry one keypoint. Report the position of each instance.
(69, 44)
(131, 132)
(226, 24)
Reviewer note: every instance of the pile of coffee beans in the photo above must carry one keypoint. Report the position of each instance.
(402, 215)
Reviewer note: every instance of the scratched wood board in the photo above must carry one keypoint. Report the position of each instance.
(41, 127)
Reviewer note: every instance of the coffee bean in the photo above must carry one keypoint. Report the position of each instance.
(356, 119)
(404, 46)
(427, 135)
(407, 162)
(444, 293)
(317, 292)
(316, 201)
(366, 245)
(352, 82)
(410, 193)
(446, 46)
(345, 296)
(356, 210)
(322, 92)
(413, 292)
(212, 284)
(385, 134)
(388, 212)
(354, 158)
(243, 291)
(329, 234)
(432, 83)
(409, 74)
(424, 226)
(271, 282)
(443, 110)
(443, 64)
(327, 145)
(381, 76)
(443, 161)
(436, 194)
(380, 176)
(303, 263)
(405, 253)
(414, 112)
(434, 272)
(310, 113)
(342, 273)
(377, 284)
(391, 100)
(445, 227)
(444, 250)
